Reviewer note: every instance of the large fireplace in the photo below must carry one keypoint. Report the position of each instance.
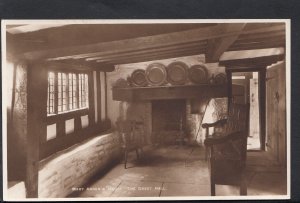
(168, 120)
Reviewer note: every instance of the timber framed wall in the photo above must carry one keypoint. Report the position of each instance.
(83, 123)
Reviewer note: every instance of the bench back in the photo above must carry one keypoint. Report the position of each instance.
(238, 121)
(238, 118)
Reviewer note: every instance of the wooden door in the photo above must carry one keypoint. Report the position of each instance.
(276, 113)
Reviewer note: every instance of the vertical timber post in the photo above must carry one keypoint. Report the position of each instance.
(98, 78)
(262, 107)
(229, 86)
(91, 98)
(37, 114)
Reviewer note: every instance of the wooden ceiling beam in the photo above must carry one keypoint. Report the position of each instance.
(83, 65)
(263, 45)
(126, 45)
(194, 48)
(199, 45)
(172, 52)
(260, 40)
(257, 62)
(119, 53)
(261, 36)
(217, 46)
(142, 42)
(154, 57)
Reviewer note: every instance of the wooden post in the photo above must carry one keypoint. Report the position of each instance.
(229, 86)
(247, 83)
(262, 107)
(98, 78)
(105, 90)
(37, 127)
(91, 98)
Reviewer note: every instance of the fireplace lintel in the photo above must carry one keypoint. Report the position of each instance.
(173, 92)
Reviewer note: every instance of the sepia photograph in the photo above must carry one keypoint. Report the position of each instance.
(146, 109)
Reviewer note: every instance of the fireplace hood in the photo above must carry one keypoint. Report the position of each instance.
(174, 92)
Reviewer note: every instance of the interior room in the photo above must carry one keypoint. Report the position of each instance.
(149, 109)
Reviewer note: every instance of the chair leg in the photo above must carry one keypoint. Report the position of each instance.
(212, 182)
(243, 190)
(137, 153)
(125, 158)
(243, 187)
(213, 189)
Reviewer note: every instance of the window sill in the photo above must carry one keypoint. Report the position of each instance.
(65, 112)
(66, 115)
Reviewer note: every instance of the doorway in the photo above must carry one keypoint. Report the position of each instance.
(250, 82)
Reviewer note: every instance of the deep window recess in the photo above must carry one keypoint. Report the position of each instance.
(66, 92)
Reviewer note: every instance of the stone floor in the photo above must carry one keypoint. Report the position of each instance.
(169, 171)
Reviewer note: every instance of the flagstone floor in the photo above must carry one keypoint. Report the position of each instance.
(169, 171)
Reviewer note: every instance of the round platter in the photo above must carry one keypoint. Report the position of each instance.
(177, 73)
(220, 78)
(138, 78)
(198, 74)
(121, 82)
(156, 74)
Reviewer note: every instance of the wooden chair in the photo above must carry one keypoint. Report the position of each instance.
(227, 149)
(130, 140)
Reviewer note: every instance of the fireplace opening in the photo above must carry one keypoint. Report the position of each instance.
(168, 120)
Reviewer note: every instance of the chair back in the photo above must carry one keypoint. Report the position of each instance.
(131, 133)
(238, 121)
(139, 132)
(238, 118)
(125, 130)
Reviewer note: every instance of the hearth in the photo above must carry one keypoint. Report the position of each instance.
(168, 120)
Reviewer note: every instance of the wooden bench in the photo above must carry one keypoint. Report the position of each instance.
(227, 148)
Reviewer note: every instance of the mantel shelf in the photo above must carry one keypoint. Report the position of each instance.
(173, 92)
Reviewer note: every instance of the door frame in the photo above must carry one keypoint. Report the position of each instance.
(261, 92)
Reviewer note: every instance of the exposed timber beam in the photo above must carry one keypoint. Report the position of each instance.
(120, 53)
(82, 65)
(126, 45)
(261, 36)
(142, 42)
(188, 49)
(257, 62)
(217, 46)
(155, 57)
(269, 39)
(262, 45)
(199, 45)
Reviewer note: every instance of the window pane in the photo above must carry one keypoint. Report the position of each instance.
(86, 91)
(80, 90)
(59, 94)
(50, 99)
(83, 90)
(72, 92)
(64, 92)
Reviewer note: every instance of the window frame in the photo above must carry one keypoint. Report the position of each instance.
(68, 113)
